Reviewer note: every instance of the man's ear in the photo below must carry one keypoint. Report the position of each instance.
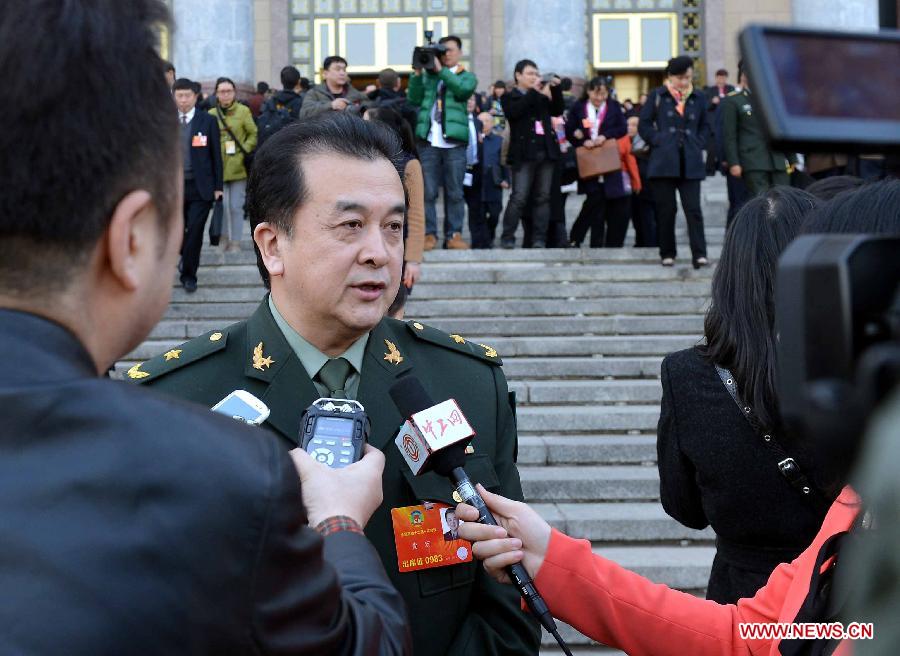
(131, 237)
(267, 238)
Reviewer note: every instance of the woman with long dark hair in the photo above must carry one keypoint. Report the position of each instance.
(413, 180)
(592, 121)
(715, 468)
(625, 611)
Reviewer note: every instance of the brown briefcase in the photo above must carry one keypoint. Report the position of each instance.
(597, 161)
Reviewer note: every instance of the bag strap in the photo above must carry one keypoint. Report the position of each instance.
(787, 466)
(228, 130)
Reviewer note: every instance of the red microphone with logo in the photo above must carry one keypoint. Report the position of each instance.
(434, 438)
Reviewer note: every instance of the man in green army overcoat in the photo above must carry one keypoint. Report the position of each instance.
(329, 239)
(747, 150)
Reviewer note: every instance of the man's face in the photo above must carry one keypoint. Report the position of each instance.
(342, 263)
(452, 521)
(598, 96)
(471, 105)
(451, 57)
(336, 74)
(487, 122)
(529, 78)
(682, 81)
(185, 99)
(721, 80)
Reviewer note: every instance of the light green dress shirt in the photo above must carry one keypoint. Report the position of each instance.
(313, 359)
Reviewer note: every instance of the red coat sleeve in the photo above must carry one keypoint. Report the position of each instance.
(624, 610)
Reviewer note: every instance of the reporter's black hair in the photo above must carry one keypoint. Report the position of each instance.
(596, 82)
(740, 322)
(66, 169)
(225, 80)
(184, 84)
(827, 188)
(277, 187)
(679, 65)
(333, 59)
(452, 37)
(392, 119)
(520, 66)
(290, 76)
(168, 66)
(873, 208)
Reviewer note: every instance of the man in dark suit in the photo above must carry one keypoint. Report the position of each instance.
(715, 94)
(202, 162)
(332, 259)
(133, 523)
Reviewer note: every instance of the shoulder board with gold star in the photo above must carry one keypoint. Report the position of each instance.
(191, 351)
(458, 343)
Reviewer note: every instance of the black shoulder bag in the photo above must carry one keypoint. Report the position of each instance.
(787, 466)
(248, 156)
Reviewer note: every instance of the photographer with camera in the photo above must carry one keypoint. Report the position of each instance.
(533, 149)
(440, 88)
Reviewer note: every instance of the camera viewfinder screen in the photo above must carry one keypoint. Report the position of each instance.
(833, 77)
(334, 427)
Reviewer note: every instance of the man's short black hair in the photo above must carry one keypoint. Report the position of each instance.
(499, 84)
(333, 59)
(388, 78)
(521, 64)
(262, 87)
(722, 72)
(183, 84)
(277, 189)
(290, 76)
(65, 171)
(679, 65)
(451, 37)
(304, 84)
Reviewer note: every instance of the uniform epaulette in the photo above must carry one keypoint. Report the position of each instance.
(191, 351)
(454, 342)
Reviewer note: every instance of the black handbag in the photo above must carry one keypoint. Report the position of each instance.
(248, 156)
(215, 225)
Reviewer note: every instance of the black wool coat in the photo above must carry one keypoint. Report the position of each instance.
(672, 136)
(715, 471)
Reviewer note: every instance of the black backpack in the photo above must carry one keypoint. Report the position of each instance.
(274, 116)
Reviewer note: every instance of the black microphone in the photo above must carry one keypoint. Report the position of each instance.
(411, 398)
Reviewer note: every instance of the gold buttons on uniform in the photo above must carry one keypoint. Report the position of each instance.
(418, 326)
(215, 337)
(456, 497)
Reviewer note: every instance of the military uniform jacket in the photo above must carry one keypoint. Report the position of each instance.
(744, 139)
(452, 610)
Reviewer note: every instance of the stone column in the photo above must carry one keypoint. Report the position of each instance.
(836, 14)
(214, 38)
(552, 34)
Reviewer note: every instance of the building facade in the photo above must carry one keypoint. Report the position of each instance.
(251, 40)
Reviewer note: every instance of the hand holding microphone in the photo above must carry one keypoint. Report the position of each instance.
(521, 537)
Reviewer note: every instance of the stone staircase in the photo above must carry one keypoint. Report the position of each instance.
(582, 334)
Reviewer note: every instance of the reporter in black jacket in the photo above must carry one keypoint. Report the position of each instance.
(533, 150)
(674, 124)
(132, 523)
(714, 469)
(592, 120)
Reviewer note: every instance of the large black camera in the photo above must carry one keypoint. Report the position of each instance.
(424, 56)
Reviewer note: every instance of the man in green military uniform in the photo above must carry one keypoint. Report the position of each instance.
(329, 237)
(747, 152)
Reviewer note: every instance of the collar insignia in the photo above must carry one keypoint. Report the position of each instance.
(135, 372)
(488, 351)
(393, 355)
(260, 362)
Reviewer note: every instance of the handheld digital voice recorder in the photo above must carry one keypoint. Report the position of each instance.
(334, 431)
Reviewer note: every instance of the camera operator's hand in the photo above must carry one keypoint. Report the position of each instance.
(340, 104)
(736, 170)
(545, 89)
(555, 81)
(354, 491)
(438, 65)
(521, 537)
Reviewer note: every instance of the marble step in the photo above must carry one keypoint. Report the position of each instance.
(592, 484)
(597, 449)
(538, 368)
(586, 391)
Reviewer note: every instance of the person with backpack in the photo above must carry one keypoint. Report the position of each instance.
(282, 108)
(238, 135)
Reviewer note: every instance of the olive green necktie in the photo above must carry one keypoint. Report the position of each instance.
(334, 374)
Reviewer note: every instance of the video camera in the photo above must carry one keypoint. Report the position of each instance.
(837, 297)
(424, 56)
